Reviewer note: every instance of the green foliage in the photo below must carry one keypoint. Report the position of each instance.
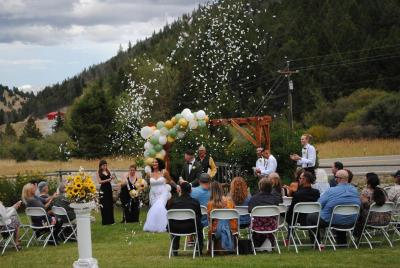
(30, 131)
(9, 132)
(353, 131)
(385, 116)
(59, 124)
(90, 123)
(320, 133)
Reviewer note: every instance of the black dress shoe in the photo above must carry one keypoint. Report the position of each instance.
(175, 253)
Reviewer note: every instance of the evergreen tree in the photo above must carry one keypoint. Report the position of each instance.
(89, 124)
(59, 124)
(30, 131)
(9, 132)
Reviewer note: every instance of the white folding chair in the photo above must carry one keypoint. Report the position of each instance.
(224, 214)
(265, 211)
(8, 234)
(385, 208)
(243, 211)
(40, 212)
(395, 222)
(62, 213)
(183, 215)
(287, 200)
(342, 210)
(205, 229)
(304, 208)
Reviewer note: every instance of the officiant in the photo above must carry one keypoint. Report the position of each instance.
(207, 162)
(191, 169)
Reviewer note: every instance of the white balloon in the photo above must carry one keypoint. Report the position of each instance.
(193, 124)
(189, 117)
(162, 140)
(156, 134)
(201, 115)
(148, 145)
(186, 112)
(146, 132)
(147, 169)
(180, 134)
(163, 153)
(164, 131)
(146, 153)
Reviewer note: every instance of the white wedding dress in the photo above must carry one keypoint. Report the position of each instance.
(160, 192)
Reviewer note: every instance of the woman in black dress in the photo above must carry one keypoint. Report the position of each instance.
(130, 202)
(106, 198)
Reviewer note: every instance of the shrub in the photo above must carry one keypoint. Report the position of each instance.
(320, 133)
(350, 131)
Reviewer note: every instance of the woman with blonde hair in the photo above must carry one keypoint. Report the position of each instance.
(276, 185)
(240, 196)
(221, 228)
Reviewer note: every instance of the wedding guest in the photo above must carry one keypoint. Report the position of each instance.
(31, 200)
(343, 194)
(202, 194)
(106, 197)
(276, 185)
(129, 198)
(371, 194)
(321, 183)
(394, 191)
(207, 162)
(308, 154)
(185, 201)
(335, 168)
(62, 201)
(270, 163)
(240, 196)
(264, 198)
(294, 185)
(10, 221)
(221, 228)
(191, 169)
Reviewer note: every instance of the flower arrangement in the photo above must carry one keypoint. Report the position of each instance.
(81, 188)
(140, 189)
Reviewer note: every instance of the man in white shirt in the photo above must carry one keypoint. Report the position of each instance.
(308, 154)
(260, 161)
(270, 163)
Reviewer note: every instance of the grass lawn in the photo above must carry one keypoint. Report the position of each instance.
(128, 246)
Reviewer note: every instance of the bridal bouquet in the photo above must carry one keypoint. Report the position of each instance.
(81, 188)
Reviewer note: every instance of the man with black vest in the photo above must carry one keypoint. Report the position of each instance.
(207, 162)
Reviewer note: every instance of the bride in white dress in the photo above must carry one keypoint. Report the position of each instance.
(160, 192)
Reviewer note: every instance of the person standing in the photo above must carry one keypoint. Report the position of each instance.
(207, 162)
(260, 163)
(129, 196)
(270, 163)
(191, 170)
(308, 155)
(106, 198)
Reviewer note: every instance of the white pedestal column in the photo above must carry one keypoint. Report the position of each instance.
(82, 211)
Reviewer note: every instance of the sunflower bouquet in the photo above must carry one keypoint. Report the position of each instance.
(81, 188)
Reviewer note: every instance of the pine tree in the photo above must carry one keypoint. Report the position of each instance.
(9, 132)
(59, 124)
(30, 131)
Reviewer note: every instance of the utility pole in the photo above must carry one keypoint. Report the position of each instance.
(287, 72)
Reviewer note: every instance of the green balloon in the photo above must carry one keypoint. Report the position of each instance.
(172, 132)
(152, 152)
(202, 123)
(160, 124)
(178, 116)
(158, 147)
(154, 140)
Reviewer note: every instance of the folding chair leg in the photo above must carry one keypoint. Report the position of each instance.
(276, 244)
(30, 240)
(386, 235)
(298, 238)
(170, 247)
(212, 247)
(237, 245)
(316, 240)
(293, 240)
(195, 247)
(353, 240)
(7, 241)
(184, 247)
(252, 244)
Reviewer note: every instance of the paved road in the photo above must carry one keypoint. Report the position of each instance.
(378, 164)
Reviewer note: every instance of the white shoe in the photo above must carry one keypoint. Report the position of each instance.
(266, 246)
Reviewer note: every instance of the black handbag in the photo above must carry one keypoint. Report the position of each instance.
(245, 247)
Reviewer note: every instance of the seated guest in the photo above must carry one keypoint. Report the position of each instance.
(202, 194)
(276, 185)
(264, 198)
(335, 168)
(31, 200)
(305, 194)
(321, 183)
(185, 201)
(394, 191)
(343, 194)
(9, 220)
(62, 201)
(221, 228)
(240, 196)
(43, 188)
(294, 185)
(371, 194)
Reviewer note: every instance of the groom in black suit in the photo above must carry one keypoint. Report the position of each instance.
(191, 170)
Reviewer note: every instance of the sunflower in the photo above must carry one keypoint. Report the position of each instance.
(77, 179)
(75, 191)
(82, 194)
(92, 188)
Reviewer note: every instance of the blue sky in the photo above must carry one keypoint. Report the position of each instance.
(43, 42)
